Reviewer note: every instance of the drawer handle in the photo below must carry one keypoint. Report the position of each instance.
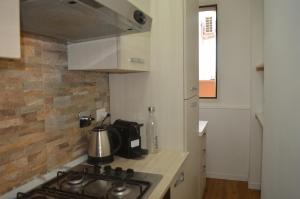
(180, 179)
(204, 150)
(136, 60)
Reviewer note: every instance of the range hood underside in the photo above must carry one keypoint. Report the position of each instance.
(77, 20)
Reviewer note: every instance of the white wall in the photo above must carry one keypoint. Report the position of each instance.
(227, 142)
(234, 53)
(131, 94)
(281, 137)
(229, 115)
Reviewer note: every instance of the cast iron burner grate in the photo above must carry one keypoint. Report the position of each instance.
(78, 183)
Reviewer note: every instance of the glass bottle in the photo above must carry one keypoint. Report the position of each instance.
(152, 138)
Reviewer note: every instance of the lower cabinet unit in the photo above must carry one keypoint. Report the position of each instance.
(203, 165)
(179, 185)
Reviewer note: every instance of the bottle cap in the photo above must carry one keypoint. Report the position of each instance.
(151, 108)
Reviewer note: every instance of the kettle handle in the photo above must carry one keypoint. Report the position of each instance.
(116, 132)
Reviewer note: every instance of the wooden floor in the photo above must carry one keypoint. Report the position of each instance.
(225, 189)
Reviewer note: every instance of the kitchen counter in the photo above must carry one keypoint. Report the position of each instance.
(202, 127)
(165, 163)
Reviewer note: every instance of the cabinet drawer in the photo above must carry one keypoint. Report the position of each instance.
(178, 185)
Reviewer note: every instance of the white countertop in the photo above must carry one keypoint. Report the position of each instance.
(166, 163)
(202, 127)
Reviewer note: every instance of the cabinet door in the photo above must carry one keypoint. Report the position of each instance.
(10, 29)
(134, 52)
(179, 186)
(194, 147)
(93, 55)
(191, 40)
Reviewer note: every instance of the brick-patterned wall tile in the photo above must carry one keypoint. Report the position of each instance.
(39, 104)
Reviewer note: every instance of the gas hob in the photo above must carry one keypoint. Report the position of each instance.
(96, 182)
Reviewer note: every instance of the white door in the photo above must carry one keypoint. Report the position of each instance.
(10, 46)
(193, 146)
(191, 60)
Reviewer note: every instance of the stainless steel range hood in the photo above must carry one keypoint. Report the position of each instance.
(82, 20)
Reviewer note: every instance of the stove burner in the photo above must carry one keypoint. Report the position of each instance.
(75, 178)
(97, 187)
(120, 190)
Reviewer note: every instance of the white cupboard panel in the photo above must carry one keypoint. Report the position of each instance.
(134, 51)
(194, 147)
(179, 185)
(91, 55)
(191, 40)
(129, 53)
(10, 29)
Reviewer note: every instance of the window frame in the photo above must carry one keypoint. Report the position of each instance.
(215, 6)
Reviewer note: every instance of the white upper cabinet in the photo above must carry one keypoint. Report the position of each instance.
(129, 53)
(10, 29)
(134, 52)
(191, 42)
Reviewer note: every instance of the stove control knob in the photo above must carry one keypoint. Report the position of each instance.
(130, 173)
(118, 171)
(97, 169)
(107, 169)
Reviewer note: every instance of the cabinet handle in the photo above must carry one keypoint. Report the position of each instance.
(136, 60)
(204, 150)
(179, 180)
(194, 104)
(194, 88)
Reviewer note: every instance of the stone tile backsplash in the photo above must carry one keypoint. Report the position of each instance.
(39, 105)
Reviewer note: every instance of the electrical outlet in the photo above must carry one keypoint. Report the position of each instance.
(100, 114)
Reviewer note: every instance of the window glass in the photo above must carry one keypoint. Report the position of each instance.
(208, 52)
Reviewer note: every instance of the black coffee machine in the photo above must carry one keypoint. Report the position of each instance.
(130, 139)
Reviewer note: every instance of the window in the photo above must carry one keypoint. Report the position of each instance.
(208, 52)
